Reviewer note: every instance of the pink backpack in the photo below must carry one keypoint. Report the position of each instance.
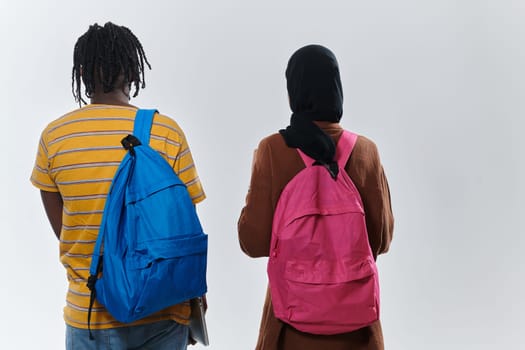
(322, 274)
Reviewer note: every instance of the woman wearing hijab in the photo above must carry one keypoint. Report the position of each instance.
(316, 99)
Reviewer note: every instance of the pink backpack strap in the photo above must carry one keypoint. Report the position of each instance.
(307, 160)
(344, 148)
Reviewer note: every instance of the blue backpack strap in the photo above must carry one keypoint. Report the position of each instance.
(141, 131)
(143, 123)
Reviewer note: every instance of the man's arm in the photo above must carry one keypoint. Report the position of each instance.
(53, 205)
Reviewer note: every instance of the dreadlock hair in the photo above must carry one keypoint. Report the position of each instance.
(105, 55)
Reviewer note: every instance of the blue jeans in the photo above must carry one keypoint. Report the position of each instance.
(162, 335)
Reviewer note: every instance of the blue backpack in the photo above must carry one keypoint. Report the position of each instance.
(154, 249)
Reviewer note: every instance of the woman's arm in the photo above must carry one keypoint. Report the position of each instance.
(368, 175)
(255, 222)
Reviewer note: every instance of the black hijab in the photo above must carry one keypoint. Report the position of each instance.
(315, 92)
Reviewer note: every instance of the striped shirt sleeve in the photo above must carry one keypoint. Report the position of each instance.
(185, 168)
(40, 176)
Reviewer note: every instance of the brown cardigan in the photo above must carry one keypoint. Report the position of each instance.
(273, 167)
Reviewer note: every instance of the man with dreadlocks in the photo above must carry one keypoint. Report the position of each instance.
(78, 155)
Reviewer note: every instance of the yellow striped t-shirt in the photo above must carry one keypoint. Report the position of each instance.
(78, 156)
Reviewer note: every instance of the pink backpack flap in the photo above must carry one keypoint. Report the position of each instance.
(322, 274)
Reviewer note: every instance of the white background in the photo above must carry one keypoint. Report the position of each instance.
(438, 84)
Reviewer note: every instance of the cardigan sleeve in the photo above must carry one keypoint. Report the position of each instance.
(255, 222)
(381, 231)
